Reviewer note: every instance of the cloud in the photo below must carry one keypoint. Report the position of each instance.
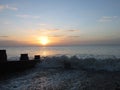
(63, 36)
(11, 8)
(7, 7)
(72, 30)
(49, 30)
(107, 18)
(54, 30)
(56, 36)
(27, 16)
(4, 36)
(42, 24)
(7, 22)
(74, 36)
(1, 7)
(10, 43)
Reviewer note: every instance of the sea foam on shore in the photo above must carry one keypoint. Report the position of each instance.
(51, 74)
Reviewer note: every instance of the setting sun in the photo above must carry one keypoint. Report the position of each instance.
(44, 40)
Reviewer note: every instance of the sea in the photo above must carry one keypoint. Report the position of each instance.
(13, 53)
(51, 75)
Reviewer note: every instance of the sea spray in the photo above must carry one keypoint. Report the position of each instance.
(107, 64)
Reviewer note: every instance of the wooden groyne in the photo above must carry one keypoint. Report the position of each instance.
(14, 66)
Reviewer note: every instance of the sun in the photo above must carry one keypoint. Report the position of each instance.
(44, 40)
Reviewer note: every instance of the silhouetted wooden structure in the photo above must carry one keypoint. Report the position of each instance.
(3, 56)
(14, 66)
(24, 57)
(37, 57)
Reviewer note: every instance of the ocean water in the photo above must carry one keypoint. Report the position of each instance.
(80, 51)
(47, 76)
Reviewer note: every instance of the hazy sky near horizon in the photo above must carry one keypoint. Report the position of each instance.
(64, 22)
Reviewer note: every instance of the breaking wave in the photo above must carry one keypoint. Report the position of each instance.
(88, 63)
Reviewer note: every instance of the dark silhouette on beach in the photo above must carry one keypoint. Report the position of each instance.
(14, 66)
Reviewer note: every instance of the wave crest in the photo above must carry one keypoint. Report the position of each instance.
(91, 63)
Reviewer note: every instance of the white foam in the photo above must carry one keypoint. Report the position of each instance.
(106, 63)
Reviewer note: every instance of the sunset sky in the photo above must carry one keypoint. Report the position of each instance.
(63, 22)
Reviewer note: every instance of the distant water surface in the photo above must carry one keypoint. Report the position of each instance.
(82, 51)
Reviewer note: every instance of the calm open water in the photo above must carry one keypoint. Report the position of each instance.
(82, 51)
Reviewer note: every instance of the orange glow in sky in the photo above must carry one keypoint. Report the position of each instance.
(59, 22)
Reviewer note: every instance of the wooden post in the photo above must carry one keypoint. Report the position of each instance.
(24, 57)
(3, 56)
(37, 57)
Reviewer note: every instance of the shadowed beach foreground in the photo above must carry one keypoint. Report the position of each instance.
(54, 79)
(53, 75)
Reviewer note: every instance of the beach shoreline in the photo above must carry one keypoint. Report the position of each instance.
(41, 78)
